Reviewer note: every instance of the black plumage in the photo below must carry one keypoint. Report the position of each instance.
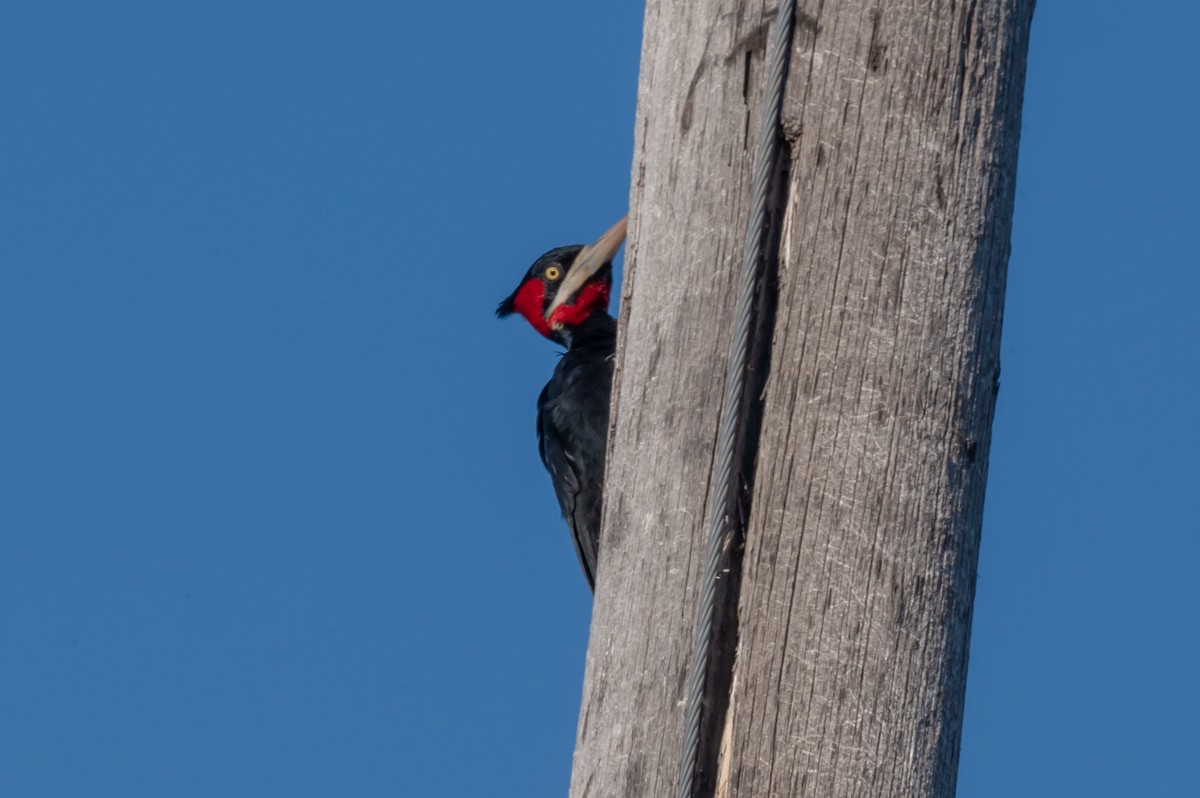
(572, 427)
(573, 408)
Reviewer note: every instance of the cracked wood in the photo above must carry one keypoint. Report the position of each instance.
(862, 539)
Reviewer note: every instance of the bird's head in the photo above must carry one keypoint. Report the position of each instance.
(566, 286)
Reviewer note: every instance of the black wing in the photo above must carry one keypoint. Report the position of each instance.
(576, 483)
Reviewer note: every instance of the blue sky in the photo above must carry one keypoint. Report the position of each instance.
(272, 520)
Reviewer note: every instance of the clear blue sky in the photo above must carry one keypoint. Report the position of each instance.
(272, 520)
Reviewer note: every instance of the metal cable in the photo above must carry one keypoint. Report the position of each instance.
(720, 508)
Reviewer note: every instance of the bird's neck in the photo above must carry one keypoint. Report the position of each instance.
(598, 331)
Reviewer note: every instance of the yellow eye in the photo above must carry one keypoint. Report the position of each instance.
(553, 273)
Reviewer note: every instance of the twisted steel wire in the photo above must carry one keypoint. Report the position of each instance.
(721, 509)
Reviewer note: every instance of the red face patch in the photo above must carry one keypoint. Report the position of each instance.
(529, 301)
(592, 297)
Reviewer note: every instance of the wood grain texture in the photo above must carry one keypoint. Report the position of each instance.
(696, 123)
(858, 574)
(859, 571)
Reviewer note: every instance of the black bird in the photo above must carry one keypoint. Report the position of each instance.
(564, 295)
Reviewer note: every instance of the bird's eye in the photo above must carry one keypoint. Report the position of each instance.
(553, 273)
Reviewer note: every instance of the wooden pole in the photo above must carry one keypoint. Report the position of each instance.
(848, 600)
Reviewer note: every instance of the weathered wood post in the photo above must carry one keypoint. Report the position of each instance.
(849, 594)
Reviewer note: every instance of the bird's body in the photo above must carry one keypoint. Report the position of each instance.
(572, 427)
(564, 296)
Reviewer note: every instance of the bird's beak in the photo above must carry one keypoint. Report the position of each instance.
(589, 261)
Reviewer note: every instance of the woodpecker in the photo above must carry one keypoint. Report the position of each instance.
(564, 296)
